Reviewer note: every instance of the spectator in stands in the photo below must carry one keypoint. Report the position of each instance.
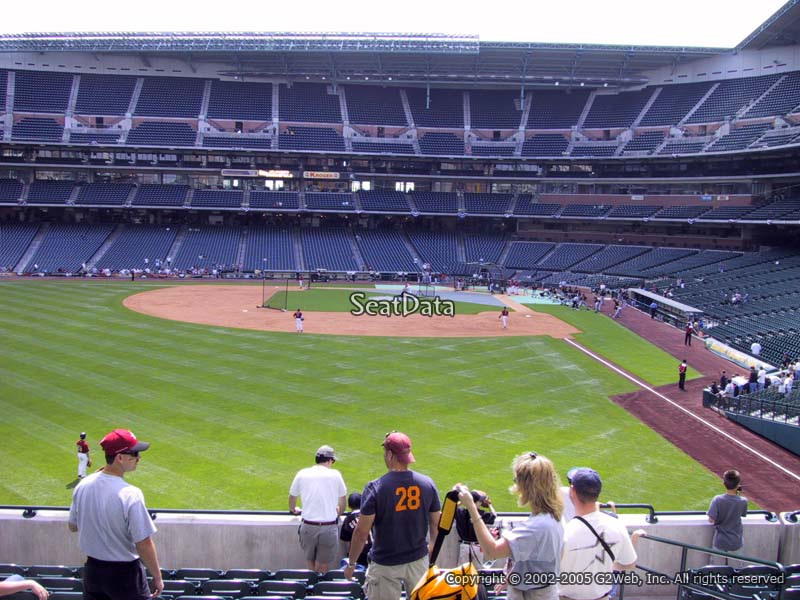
(403, 506)
(752, 380)
(594, 542)
(761, 378)
(723, 379)
(755, 348)
(16, 583)
(535, 544)
(788, 382)
(725, 514)
(714, 389)
(682, 375)
(349, 526)
(114, 527)
(322, 491)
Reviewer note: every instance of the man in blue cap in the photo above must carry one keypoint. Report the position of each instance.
(594, 542)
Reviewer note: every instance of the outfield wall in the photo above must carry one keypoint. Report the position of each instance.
(270, 542)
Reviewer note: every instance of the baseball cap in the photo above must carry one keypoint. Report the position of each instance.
(122, 440)
(326, 452)
(572, 471)
(400, 446)
(586, 482)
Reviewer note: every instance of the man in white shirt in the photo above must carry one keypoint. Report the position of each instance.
(322, 493)
(595, 544)
(762, 377)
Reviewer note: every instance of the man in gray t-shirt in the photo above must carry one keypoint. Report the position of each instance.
(114, 527)
(726, 512)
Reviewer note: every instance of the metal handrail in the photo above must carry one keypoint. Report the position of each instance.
(30, 511)
(682, 581)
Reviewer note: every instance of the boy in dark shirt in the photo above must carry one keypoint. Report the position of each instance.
(349, 526)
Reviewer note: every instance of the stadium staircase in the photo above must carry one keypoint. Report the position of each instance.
(698, 105)
(241, 251)
(137, 90)
(656, 93)
(501, 259)
(742, 111)
(32, 249)
(205, 101)
(176, 245)
(359, 258)
(131, 196)
(297, 247)
(73, 196)
(512, 206)
(412, 250)
(356, 202)
(189, 197)
(246, 200)
(26, 188)
(109, 241)
(276, 116)
(461, 251)
(408, 113)
(11, 78)
(586, 108)
(73, 99)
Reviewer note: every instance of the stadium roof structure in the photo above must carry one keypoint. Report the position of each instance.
(780, 29)
(398, 58)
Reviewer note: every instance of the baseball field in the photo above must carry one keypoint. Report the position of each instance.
(232, 413)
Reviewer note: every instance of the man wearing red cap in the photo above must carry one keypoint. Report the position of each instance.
(114, 527)
(401, 508)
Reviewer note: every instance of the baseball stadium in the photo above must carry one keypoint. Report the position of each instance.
(245, 247)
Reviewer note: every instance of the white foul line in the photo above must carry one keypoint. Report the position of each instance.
(679, 407)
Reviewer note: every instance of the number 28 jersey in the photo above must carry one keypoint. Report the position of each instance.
(401, 502)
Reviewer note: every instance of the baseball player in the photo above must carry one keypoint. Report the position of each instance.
(298, 320)
(504, 317)
(83, 456)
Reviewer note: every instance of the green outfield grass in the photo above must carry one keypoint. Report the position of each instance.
(232, 414)
(338, 300)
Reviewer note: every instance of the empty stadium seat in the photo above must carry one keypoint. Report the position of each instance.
(307, 575)
(338, 574)
(180, 587)
(230, 588)
(197, 574)
(350, 589)
(51, 571)
(248, 574)
(275, 587)
(61, 584)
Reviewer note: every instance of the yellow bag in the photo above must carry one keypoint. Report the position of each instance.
(461, 583)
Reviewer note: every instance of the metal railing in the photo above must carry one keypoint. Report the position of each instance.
(30, 511)
(686, 579)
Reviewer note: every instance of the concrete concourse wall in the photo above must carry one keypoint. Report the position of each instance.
(270, 542)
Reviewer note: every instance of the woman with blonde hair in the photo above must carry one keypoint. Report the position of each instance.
(534, 544)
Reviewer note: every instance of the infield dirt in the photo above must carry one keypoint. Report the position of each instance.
(236, 306)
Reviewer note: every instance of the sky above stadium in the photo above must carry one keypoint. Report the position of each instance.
(708, 23)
